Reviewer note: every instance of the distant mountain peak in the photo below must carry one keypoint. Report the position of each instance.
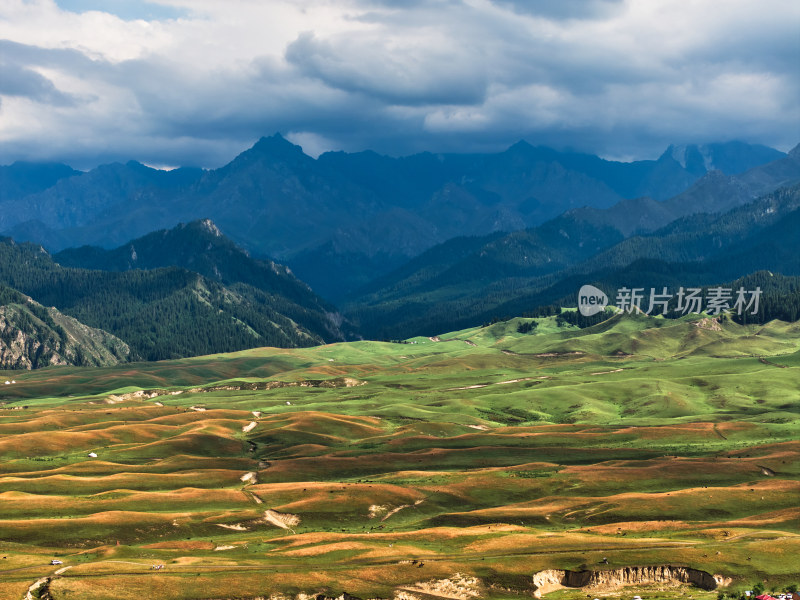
(693, 158)
(520, 146)
(527, 150)
(209, 226)
(276, 144)
(273, 149)
(731, 158)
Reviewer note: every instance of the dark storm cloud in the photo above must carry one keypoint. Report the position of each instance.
(396, 75)
(67, 60)
(16, 80)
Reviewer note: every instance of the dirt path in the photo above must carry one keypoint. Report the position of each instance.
(399, 508)
(483, 385)
(40, 588)
(252, 497)
(772, 364)
(756, 533)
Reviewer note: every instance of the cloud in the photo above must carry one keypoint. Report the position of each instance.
(396, 71)
(201, 79)
(16, 80)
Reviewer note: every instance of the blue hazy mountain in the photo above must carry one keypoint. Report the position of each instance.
(468, 280)
(344, 219)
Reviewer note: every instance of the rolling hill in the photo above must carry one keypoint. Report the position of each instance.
(486, 463)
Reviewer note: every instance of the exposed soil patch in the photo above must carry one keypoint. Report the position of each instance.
(483, 385)
(282, 520)
(337, 382)
(457, 587)
(709, 324)
(554, 579)
(772, 364)
(236, 527)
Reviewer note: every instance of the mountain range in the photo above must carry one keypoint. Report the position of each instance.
(477, 279)
(143, 295)
(344, 219)
(406, 246)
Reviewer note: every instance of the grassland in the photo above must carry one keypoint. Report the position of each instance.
(448, 467)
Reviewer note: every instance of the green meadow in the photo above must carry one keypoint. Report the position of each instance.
(449, 467)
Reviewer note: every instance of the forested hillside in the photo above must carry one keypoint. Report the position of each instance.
(32, 336)
(510, 275)
(160, 313)
(201, 247)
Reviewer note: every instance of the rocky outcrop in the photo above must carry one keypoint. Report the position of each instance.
(32, 336)
(236, 386)
(336, 382)
(456, 587)
(301, 596)
(553, 579)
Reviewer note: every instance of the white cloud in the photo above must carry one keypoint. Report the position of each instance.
(312, 144)
(609, 76)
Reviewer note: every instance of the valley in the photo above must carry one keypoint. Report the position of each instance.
(424, 300)
(457, 466)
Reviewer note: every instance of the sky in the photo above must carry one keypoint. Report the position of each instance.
(195, 82)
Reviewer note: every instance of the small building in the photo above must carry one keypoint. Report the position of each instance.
(92, 455)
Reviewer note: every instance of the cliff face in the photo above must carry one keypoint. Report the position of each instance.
(553, 579)
(32, 337)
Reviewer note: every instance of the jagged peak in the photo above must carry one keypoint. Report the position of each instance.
(275, 148)
(521, 146)
(276, 143)
(526, 149)
(209, 226)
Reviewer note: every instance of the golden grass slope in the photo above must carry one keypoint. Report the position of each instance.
(640, 441)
